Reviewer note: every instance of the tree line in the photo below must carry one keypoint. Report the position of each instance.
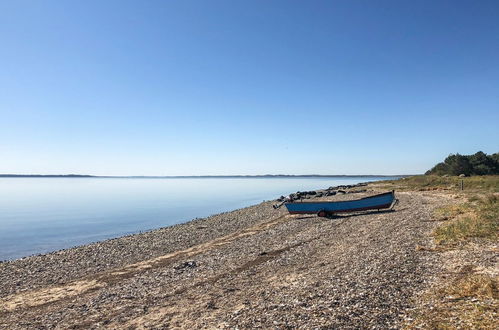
(477, 164)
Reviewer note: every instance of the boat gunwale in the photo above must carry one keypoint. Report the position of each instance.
(351, 200)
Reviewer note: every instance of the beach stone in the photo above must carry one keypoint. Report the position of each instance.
(186, 265)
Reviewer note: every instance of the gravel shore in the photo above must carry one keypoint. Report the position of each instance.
(253, 267)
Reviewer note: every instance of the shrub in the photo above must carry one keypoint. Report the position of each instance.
(477, 164)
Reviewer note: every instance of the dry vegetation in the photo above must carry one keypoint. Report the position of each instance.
(478, 219)
(471, 185)
(468, 302)
(468, 298)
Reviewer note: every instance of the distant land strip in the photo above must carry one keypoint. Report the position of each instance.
(194, 176)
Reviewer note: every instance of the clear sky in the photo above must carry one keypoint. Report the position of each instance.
(245, 87)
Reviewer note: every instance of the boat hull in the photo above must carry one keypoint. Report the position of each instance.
(376, 202)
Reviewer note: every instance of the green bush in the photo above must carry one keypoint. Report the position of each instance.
(477, 164)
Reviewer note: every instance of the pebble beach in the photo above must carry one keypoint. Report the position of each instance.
(256, 267)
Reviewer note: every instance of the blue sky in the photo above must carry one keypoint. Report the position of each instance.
(245, 87)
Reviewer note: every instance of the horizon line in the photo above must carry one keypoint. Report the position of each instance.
(199, 176)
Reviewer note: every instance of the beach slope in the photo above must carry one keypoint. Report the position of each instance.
(254, 267)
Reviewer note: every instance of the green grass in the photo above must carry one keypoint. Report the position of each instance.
(477, 219)
(486, 183)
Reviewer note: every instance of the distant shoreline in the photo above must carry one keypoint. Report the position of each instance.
(195, 176)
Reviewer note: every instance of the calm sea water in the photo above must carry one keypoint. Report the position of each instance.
(39, 215)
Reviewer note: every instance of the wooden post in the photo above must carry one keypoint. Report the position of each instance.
(461, 184)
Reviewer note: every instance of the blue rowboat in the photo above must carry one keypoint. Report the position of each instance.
(323, 209)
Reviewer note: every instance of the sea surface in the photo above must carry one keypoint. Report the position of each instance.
(40, 215)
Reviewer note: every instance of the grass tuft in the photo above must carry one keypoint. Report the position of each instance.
(480, 219)
(450, 211)
(470, 302)
(473, 286)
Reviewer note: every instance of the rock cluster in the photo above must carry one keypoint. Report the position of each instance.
(331, 191)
